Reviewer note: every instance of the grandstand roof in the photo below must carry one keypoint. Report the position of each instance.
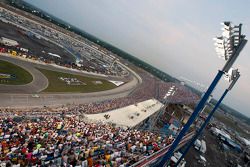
(129, 116)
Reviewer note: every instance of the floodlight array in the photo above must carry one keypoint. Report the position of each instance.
(231, 74)
(228, 41)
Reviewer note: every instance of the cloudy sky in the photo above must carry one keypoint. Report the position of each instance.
(175, 36)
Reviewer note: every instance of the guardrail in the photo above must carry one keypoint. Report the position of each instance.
(150, 159)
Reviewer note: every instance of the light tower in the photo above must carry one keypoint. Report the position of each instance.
(228, 47)
(234, 75)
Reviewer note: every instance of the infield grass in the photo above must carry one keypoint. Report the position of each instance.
(57, 85)
(11, 74)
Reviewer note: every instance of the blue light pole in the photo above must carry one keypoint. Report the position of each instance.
(201, 104)
(198, 133)
(228, 47)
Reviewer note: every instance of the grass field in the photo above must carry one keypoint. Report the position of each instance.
(11, 74)
(57, 85)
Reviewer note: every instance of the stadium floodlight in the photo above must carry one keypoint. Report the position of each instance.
(228, 46)
(223, 47)
(231, 74)
(220, 47)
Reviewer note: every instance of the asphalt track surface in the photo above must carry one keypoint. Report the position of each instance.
(21, 95)
(38, 83)
(36, 46)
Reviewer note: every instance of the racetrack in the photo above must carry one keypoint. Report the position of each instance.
(38, 83)
(20, 95)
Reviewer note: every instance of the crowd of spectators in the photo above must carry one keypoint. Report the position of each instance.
(67, 140)
(61, 137)
(181, 94)
(151, 87)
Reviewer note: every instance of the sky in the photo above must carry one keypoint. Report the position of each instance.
(175, 36)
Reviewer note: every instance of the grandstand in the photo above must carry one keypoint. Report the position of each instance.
(61, 137)
(104, 131)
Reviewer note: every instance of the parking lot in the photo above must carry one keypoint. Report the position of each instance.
(214, 155)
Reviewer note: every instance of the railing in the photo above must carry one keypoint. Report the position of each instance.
(148, 160)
